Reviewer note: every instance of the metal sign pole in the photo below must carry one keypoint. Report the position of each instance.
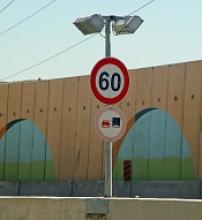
(107, 37)
(108, 145)
(108, 168)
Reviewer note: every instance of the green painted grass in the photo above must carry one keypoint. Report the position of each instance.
(34, 171)
(187, 170)
(158, 169)
(49, 171)
(39, 171)
(1, 171)
(140, 169)
(172, 170)
(11, 171)
(118, 170)
(24, 173)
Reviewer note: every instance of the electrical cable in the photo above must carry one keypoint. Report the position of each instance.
(67, 49)
(141, 7)
(6, 6)
(27, 18)
(136, 10)
(49, 58)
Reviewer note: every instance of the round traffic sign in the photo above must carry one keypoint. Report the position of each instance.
(110, 123)
(109, 80)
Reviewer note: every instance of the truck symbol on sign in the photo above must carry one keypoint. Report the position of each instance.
(105, 124)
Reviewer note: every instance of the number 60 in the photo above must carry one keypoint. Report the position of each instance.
(105, 82)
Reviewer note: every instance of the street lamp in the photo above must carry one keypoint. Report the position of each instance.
(91, 24)
(127, 24)
(120, 25)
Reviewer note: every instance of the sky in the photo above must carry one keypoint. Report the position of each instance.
(171, 33)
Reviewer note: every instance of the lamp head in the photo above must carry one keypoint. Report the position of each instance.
(127, 24)
(91, 24)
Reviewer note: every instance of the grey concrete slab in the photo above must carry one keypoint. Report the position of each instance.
(144, 189)
(122, 189)
(88, 188)
(166, 189)
(46, 188)
(9, 189)
(97, 206)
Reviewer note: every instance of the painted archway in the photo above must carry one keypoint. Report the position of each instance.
(24, 153)
(154, 148)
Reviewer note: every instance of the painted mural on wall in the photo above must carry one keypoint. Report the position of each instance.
(154, 149)
(62, 144)
(24, 153)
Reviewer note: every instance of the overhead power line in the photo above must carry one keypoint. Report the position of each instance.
(67, 49)
(6, 6)
(141, 7)
(49, 58)
(27, 18)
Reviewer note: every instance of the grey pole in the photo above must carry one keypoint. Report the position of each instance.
(107, 36)
(108, 145)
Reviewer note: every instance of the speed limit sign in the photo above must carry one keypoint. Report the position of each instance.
(109, 80)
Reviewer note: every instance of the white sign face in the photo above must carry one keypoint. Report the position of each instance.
(110, 123)
(109, 81)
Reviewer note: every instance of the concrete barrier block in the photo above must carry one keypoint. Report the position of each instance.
(125, 209)
(88, 188)
(46, 189)
(42, 208)
(9, 189)
(166, 189)
(97, 206)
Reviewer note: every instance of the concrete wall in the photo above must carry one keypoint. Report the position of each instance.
(47, 128)
(153, 209)
(142, 189)
(33, 208)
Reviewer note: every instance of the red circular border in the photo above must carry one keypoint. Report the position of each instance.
(122, 67)
(124, 123)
